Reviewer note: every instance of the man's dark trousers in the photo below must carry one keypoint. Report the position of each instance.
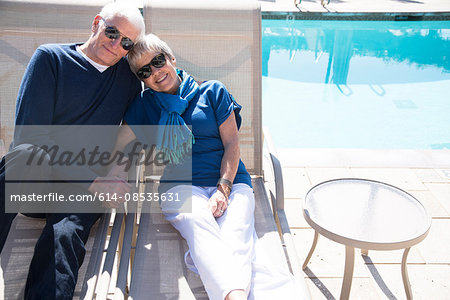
(60, 250)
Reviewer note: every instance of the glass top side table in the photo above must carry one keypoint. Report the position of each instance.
(368, 215)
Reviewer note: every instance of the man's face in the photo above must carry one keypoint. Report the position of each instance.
(104, 50)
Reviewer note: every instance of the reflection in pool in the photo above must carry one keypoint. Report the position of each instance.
(355, 84)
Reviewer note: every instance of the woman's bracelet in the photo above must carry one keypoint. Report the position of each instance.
(225, 182)
(228, 183)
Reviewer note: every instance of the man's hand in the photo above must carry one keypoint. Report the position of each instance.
(119, 170)
(115, 186)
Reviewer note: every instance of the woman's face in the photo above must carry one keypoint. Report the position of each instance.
(164, 79)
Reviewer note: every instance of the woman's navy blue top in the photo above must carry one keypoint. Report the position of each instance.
(212, 105)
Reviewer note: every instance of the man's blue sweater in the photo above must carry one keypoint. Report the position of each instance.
(60, 87)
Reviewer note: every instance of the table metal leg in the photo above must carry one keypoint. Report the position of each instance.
(316, 237)
(405, 275)
(348, 272)
(365, 252)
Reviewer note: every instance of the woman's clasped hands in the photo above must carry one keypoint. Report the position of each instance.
(218, 203)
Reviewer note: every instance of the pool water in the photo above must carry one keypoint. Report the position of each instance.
(357, 84)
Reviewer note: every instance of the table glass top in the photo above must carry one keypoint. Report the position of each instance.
(366, 210)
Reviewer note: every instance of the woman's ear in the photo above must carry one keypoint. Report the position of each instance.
(174, 61)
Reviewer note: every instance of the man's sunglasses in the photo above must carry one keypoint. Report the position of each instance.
(113, 33)
(158, 61)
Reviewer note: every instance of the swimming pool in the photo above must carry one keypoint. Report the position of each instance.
(357, 84)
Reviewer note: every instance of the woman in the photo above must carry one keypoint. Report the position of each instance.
(220, 228)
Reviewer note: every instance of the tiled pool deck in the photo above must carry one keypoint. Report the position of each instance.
(424, 174)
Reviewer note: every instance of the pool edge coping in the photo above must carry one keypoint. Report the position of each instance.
(357, 16)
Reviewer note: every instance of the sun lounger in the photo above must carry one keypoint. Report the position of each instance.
(213, 40)
(140, 256)
(24, 25)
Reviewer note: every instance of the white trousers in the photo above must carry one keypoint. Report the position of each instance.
(224, 251)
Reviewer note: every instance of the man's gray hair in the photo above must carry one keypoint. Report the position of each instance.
(130, 12)
(149, 43)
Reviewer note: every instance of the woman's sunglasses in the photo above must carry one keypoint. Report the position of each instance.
(158, 61)
(113, 33)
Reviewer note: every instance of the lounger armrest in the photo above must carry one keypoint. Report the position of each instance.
(276, 169)
(280, 215)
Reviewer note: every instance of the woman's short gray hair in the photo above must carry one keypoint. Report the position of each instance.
(149, 43)
(130, 12)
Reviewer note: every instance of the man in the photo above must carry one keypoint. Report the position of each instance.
(71, 84)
